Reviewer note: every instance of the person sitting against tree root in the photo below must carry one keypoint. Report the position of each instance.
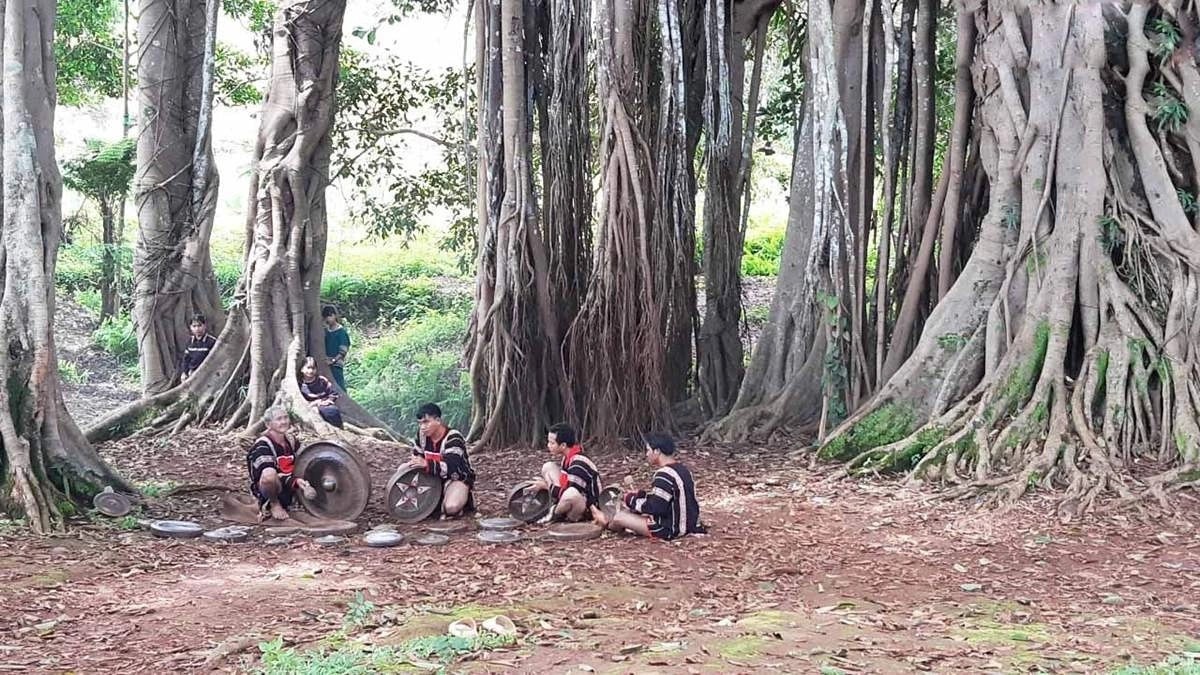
(669, 509)
(320, 393)
(270, 463)
(445, 455)
(573, 481)
(198, 347)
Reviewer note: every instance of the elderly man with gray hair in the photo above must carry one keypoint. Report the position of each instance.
(270, 462)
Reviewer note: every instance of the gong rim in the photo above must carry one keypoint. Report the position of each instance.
(176, 529)
(610, 500)
(321, 461)
(528, 507)
(112, 504)
(407, 506)
(575, 531)
(499, 536)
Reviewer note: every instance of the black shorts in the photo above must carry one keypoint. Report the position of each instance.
(258, 462)
(287, 491)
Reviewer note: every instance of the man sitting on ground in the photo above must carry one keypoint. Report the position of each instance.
(573, 480)
(198, 347)
(270, 462)
(669, 508)
(444, 455)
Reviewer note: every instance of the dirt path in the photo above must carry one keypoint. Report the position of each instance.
(797, 576)
(93, 383)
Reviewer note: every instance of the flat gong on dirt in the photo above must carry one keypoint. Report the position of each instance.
(383, 539)
(231, 534)
(574, 531)
(413, 495)
(528, 505)
(176, 529)
(341, 479)
(499, 536)
(499, 524)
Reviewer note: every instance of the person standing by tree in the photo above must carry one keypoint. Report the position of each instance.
(198, 347)
(337, 345)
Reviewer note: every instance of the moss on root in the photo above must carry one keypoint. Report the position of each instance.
(888, 424)
(1020, 384)
(906, 457)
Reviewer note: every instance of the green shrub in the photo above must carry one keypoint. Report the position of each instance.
(421, 362)
(89, 298)
(118, 337)
(80, 266)
(761, 254)
(71, 373)
(227, 270)
(396, 295)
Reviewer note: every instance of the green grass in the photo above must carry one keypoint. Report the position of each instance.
(1176, 664)
(421, 362)
(118, 337)
(71, 373)
(338, 656)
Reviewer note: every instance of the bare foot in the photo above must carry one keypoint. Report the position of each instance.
(599, 517)
(278, 512)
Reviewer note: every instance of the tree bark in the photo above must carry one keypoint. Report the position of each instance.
(673, 226)
(44, 458)
(176, 184)
(274, 320)
(566, 160)
(108, 261)
(1064, 355)
(720, 353)
(619, 346)
(519, 385)
(785, 383)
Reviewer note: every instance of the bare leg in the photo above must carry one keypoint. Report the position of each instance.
(621, 521)
(551, 473)
(269, 487)
(571, 506)
(455, 497)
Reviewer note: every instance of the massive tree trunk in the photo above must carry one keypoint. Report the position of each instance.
(274, 321)
(176, 184)
(619, 346)
(673, 139)
(518, 382)
(729, 126)
(788, 382)
(44, 457)
(1067, 353)
(566, 159)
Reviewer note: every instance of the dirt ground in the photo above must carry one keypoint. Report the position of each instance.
(797, 575)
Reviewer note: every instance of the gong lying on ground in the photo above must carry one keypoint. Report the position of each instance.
(341, 479)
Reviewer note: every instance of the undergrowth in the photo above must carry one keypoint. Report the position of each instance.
(419, 363)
